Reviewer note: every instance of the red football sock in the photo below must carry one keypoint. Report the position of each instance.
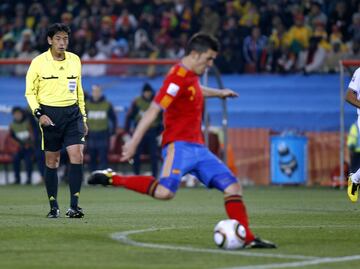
(142, 184)
(235, 209)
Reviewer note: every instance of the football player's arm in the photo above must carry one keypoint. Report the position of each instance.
(211, 92)
(31, 87)
(351, 97)
(150, 115)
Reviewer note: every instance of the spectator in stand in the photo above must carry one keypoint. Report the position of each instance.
(277, 41)
(67, 18)
(93, 70)
(126, 19)
(35, 13)
(102, 124)
(121, 49)
(312, 59)
(21, 131)
(230, 61)
(149, 142)
(254, 51)
(341, 17)
(315, 15)
(354, 51)
(26, 52)
(185, 18)
(19, 22)
(209, 21)
(354, 28)
(272, 56)
(142, 44)
(147, 22)
(251, 18)
(27, 36)
(320, 32)
(333, 57)
(40, 34)
(242, 6)
(7, 51)
(335, 34)
(298, 35)
(287, 60)
(106, 44)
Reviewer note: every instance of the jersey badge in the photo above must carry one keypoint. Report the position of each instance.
(172, 89)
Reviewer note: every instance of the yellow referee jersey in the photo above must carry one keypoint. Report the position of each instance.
(55, 83)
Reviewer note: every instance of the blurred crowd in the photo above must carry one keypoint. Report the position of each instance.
(275, 36)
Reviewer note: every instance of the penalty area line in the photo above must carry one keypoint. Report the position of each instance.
(123, 237)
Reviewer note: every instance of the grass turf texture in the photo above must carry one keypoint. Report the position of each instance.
(311, 222)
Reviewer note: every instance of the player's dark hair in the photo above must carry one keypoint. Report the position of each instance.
(58, 27)
(201, 42)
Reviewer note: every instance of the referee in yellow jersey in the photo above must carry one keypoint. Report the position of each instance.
(56, 98)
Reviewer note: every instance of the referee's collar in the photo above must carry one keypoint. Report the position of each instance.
(49, 56)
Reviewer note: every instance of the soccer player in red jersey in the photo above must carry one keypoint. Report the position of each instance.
(181, 97)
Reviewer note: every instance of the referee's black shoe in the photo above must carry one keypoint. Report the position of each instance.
(76, 213)
(54, 213)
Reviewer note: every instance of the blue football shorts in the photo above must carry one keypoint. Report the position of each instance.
(181, 158)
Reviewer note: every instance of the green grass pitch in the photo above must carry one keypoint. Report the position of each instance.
(313, 227)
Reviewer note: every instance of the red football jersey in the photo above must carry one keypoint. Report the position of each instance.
(182, 100)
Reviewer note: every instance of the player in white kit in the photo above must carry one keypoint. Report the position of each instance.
(353, 97)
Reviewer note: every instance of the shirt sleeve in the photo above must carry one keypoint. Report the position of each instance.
(81, 96)
(32, 80)
(355, 81)
(169, 91)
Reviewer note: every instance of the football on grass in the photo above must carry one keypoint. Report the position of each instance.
(229, 234)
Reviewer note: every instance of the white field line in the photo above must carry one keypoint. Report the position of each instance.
(301, 263)
(335, 226)
(123, 237)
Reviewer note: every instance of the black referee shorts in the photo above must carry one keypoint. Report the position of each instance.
(68, 130)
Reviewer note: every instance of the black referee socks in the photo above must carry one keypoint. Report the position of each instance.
(51, 183)
(75, 180)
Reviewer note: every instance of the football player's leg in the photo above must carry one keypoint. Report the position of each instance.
(163, 189)
(214, 174)
(353, 186)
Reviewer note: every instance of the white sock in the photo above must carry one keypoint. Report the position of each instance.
(356, 177)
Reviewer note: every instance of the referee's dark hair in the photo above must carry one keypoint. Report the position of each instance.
(58, 27)
(201, 42)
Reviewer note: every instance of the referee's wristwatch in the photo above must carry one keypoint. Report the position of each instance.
(38, 113)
